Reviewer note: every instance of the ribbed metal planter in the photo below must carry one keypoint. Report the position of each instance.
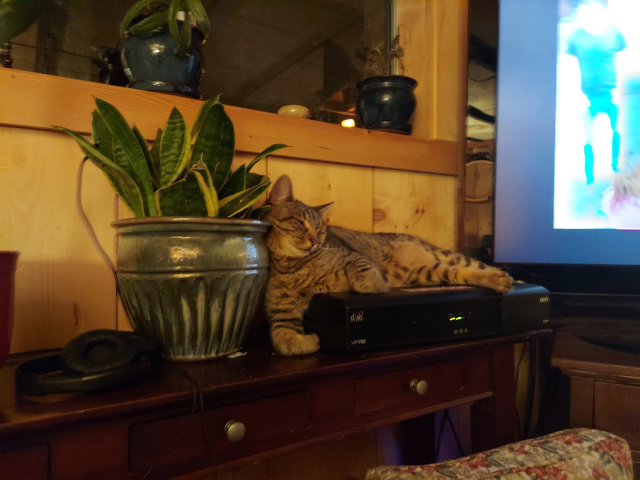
(192, 283)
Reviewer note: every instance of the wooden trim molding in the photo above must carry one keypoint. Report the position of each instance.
(37, 101)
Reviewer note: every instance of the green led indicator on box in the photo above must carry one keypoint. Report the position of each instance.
(453, 318)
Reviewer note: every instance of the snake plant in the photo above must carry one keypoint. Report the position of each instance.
(165, 12)
(185, 173)
(18, 15)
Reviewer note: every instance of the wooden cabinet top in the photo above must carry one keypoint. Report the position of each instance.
(580, 347)
(259, 373)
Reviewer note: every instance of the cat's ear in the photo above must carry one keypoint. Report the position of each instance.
(282, 191)
(323, 210)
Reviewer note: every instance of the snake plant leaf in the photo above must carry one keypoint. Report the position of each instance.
(215, 143)
(184, 42)
(175, 148)
(122, 183)
(121, 160)
(102, 138)
(124, 136)
(265, 152)
(155, 156)
(201, 167)
(202, 114)
(147, 155)
(183, 199)
(150, 23)
(209, 194)
(199, 13)
(236, 203)
(259, 213)
(135, 9)
(237, 182)
(16, 16)
(254, 179)
(174, 7)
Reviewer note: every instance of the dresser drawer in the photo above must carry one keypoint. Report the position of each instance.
(268, 423)
(444, 382)
(27, 463)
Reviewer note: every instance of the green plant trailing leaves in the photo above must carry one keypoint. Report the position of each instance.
(18, 15)
(200, 14)
(133, 154)
(174, 148)
(215, 141)
(150, 23)
(135, 10)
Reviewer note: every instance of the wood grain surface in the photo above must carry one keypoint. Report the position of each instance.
(39, 101)
(349, 188)
(63, 287)
(419, 204)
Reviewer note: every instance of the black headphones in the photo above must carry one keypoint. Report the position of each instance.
(94, 360)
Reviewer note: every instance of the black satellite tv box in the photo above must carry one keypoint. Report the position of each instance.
(418, 316)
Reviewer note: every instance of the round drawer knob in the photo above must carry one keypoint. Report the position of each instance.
(419, 386)
(235, 430)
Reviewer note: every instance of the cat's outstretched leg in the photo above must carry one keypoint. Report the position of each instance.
(289, 339)
(365, 277)
(285, 312)
(456, 269)
(426, 265)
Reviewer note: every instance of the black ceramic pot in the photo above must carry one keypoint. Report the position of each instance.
(387, 103)
(151, 64)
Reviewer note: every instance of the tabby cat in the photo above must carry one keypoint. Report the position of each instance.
(308, 257)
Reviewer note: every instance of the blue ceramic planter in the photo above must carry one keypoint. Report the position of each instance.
(387, 103)
(151, 64)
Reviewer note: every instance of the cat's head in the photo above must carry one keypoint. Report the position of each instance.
(297, 229)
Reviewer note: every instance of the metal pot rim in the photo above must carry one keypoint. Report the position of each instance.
(186, 221)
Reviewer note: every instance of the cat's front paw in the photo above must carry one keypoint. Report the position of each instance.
(500, 281)
(288, 342)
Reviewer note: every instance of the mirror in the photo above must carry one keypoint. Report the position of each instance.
(260, 55)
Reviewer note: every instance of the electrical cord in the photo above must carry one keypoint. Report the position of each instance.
(518, 424)
(453, 430)
(446, 418)
(438, 443)
(87, 223)
(197, 393)
(531, 387)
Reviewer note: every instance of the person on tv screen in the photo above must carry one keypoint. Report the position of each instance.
(621, 202)
(595, 44)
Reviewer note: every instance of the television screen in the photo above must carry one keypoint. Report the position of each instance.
(568, 133)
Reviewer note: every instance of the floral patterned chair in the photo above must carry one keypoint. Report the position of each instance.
(577, 454)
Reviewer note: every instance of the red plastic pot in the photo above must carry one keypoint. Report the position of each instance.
(8, 261)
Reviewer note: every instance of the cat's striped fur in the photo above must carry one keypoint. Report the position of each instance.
(308, 257)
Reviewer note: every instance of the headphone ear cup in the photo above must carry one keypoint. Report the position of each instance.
(97, 351)
(146, 345)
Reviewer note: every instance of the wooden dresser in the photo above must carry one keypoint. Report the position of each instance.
(605, 383)
(281, 403)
